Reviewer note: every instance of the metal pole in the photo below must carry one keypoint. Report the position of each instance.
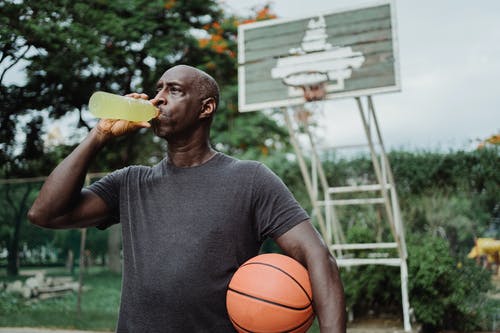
(378, 173)
(81, 264)
(329, 210)
(404, 295)
(80, 273)
(398, 221)
(314, 172)
(304, 170)
(395, 201)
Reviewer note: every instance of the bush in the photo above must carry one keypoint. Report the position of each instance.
(371, 288)
(443, 293)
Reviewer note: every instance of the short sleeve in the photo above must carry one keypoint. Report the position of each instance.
(275, 209)
(108, 189)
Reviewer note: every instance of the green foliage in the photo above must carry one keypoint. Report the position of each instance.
(475, 172)
(370, 288)
(454, 194)
(445, 294)
(16, 199)
(78, 47)
(446, 200)
(450, 215)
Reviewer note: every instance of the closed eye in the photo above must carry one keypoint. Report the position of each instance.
(174, 89)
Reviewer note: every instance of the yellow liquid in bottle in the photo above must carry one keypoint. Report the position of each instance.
(111, 106)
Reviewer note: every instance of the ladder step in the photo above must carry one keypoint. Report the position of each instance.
(346, 202)
(364, 246)
(357, 188)
(368, 261)
(357, 145)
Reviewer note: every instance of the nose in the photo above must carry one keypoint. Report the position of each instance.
(159, 100)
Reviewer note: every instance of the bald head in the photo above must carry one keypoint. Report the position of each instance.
(203, 83)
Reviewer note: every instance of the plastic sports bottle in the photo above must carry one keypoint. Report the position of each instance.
(111, 106)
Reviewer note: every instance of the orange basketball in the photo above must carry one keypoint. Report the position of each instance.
(270, 293)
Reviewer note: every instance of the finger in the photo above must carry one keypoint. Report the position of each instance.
(143, 124)
(144, 96)
(136, 95)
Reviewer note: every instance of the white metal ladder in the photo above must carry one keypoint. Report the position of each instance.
(384, 194)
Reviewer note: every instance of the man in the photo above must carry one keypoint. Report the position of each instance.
(188, 222)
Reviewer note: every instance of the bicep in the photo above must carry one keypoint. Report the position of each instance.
(303, 243)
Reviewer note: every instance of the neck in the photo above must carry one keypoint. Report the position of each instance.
(189, 154)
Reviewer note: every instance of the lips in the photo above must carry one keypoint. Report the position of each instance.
(163, 114)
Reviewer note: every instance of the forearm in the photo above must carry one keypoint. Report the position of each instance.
(328, 294)
(62, 189)
(305, 244)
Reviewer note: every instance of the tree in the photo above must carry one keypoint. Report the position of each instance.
(15, 199)
(114, 246)
(73, 48)
(248, 135)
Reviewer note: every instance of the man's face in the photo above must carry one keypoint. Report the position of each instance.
(179, 103)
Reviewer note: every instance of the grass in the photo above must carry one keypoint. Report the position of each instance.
(99, 306)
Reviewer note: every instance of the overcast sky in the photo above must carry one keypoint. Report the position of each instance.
(450, 74)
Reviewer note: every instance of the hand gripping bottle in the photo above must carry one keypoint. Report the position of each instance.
(110, 106)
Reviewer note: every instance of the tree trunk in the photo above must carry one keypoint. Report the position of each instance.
(20, 214)
(114, 249)
(70, 261)
(12, 258)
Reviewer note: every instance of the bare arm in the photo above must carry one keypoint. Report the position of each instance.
(62, 203)
(304, 244)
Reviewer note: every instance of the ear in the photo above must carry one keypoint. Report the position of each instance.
(207, 108)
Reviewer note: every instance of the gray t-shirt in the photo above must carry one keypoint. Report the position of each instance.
(185, 232)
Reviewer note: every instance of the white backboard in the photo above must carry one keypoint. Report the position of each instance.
(353, 50)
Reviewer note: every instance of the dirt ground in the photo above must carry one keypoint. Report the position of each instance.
(38, 330)
(373, 327)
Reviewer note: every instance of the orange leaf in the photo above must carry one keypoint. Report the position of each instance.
(169, 4)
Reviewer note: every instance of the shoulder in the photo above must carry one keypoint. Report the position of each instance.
(255, 171)
(237, 164)
(134, 172)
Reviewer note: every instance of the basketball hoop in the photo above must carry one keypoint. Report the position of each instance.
(313, 84)
(316, 92)
(302, 116)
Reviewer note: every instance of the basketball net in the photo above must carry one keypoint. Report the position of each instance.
(314, 92)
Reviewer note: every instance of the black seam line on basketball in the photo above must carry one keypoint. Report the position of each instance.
(285, 272)
(290, 330)
(302, 324)
(270, 302)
